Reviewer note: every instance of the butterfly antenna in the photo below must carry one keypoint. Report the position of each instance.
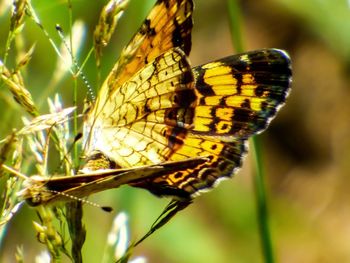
(75, 198)
(34, 16)
(80, 73)
(36, 19)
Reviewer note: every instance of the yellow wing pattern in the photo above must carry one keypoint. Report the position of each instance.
(168, 25)
(236, 97)
(147, 120)
(154, 107)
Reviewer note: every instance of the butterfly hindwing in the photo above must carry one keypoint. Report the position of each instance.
(240, 94)
(236, 97)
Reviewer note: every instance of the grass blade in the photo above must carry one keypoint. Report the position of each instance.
(260, 193)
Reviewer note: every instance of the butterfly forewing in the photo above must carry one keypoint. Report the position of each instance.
(147, 120)
(168, 25)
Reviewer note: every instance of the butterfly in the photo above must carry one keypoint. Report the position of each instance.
(156, 110)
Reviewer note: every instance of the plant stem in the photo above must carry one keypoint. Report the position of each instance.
(259, 185)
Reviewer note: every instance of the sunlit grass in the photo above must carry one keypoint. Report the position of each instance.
(34, 148)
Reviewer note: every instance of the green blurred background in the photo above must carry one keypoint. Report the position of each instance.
(306, 150)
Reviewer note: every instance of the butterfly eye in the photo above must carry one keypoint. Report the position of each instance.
(35, 199)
